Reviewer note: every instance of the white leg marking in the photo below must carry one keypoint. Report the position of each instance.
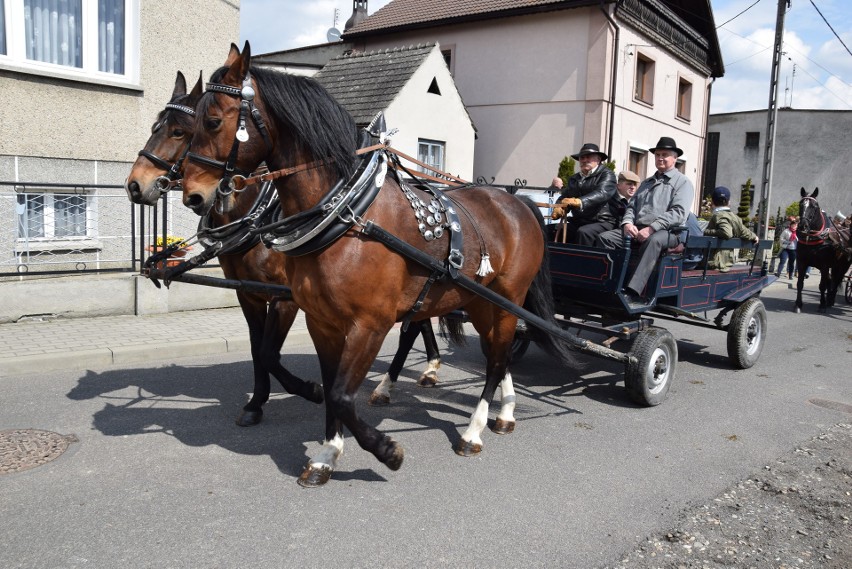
(478, 421)
(329, 453)
(507, 411)
(384, 387)
(433, 366)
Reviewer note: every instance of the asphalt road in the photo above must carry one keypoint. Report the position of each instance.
(162, 477)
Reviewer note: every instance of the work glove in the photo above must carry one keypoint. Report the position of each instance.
(573, 203)
(558, 213)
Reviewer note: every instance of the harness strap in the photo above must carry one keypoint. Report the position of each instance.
(418, 304)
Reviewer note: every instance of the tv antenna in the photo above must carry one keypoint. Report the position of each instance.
(333, 33)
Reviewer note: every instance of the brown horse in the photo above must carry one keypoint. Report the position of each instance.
(352, 286)
(269, 318)
(814, 249)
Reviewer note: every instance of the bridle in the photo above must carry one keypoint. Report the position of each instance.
(807, 235)
(172, 177)
(232, 175)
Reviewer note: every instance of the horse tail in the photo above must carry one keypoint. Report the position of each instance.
(539, 301)
(452, 328)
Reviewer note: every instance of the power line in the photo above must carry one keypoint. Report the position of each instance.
(738, 15)
(829, 27)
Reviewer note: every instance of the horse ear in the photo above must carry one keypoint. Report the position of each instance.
(804, 193)
(180, 85)
(233, 54)
(199, 86)
(816, 191)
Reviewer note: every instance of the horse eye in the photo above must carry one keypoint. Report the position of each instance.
(177, 133)
(212, 123)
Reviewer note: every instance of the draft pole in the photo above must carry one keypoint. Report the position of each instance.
(771, 120)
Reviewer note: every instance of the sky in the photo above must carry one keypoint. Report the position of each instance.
(816, 70)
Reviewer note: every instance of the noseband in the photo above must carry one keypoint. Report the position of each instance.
(227, 184)
(165, 183)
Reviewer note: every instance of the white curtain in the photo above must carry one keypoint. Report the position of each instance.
(54, 31)
(111, 36)
(2, 30)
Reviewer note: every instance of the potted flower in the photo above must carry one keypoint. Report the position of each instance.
(172, 245)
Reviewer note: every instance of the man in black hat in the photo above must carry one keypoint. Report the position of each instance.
(662, 201)
(586, 196)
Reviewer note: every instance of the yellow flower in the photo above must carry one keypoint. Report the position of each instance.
(170, 240)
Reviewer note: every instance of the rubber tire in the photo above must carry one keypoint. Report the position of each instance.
(747, 333)
(649, 378)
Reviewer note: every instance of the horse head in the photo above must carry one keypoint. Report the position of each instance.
(812, 221)
(252, 115)
(158, 166)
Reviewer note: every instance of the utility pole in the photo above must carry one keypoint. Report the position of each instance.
(771, 120)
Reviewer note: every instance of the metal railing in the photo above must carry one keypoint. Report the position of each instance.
(66, 229)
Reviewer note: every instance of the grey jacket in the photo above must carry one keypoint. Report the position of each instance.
(661, 203)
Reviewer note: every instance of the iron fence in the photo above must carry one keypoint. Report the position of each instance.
(60, 229)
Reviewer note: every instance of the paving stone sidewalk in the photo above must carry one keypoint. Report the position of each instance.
(78, 343)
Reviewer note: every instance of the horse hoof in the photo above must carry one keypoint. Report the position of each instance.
(378, 400)
(395, 460)
(428, 379)
(249, 418)
(315, 394)
(502, 427)
(314, 476)
(467, 448)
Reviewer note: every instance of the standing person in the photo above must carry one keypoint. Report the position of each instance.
(725, 224)
(662, 201)
(789, 242)
(587, 195)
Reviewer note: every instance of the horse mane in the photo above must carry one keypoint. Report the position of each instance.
(319, 125)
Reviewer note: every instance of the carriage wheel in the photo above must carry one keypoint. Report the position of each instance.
(848, 291)
(652, 368)
(747, 333)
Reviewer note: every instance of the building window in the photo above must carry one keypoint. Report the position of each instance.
(638, 162)
(84, 40)
(54, 216)
(644, 87)
(684, 99)
(680, 166)
(448, 58)
(752, 139)
(431, 152)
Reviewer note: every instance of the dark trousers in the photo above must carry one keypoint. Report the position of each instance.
(649, 253)
(585, 233)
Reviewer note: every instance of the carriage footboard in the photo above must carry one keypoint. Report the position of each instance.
(418, 256)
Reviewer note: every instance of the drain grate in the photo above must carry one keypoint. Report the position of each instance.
(22, 449)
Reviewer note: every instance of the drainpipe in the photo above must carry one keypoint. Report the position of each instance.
(614, 73)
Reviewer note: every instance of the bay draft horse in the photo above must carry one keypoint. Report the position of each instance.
(269, 318)
(814, 249)
(354, 288)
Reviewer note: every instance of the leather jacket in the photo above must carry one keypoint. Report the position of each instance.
(594, 192)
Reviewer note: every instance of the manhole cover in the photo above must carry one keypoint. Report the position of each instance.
(22, 449)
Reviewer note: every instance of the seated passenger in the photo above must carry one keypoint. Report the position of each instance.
(587, 195)
(725, 224)
(661, 202)
(626, 188)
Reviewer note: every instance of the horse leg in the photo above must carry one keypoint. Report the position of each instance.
(498, 341)
(800, 283)
(433, 357)
(381, 394)
(279, 320)
(254, 311)
(345, 361)
(824, 285)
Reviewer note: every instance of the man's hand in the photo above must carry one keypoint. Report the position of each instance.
(573, 203)
(558, 213)
(756, 240)
(643, 235)
(630, 230)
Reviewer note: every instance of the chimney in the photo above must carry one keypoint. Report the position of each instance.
(359, 14)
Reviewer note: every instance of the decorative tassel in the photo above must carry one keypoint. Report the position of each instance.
(484, 266)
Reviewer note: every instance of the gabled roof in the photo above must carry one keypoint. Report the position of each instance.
(366, 83)
(408, 14)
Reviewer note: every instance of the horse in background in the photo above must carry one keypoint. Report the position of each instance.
(269, 318)
(816, 250)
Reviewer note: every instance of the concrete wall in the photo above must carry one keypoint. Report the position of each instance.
(82, 296)
(811, 150)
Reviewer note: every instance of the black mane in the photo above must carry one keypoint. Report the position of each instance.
(318, 123)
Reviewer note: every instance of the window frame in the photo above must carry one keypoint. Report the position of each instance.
(684, 100)
(432, 143)
(644, 79)
(15, 59)
(749, 136)
(50, 240)
(637, 161)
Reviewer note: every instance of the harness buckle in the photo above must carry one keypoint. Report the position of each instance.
(455, 259)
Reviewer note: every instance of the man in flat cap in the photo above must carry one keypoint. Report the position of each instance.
(726, 224)
(662, 201)
(586, 196)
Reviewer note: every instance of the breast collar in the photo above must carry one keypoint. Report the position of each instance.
(239, 236)
(318, 227)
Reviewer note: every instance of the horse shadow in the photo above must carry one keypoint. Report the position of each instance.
(810, 304)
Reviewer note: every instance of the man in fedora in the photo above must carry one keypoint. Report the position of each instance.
(586, 196)
(662, 201)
